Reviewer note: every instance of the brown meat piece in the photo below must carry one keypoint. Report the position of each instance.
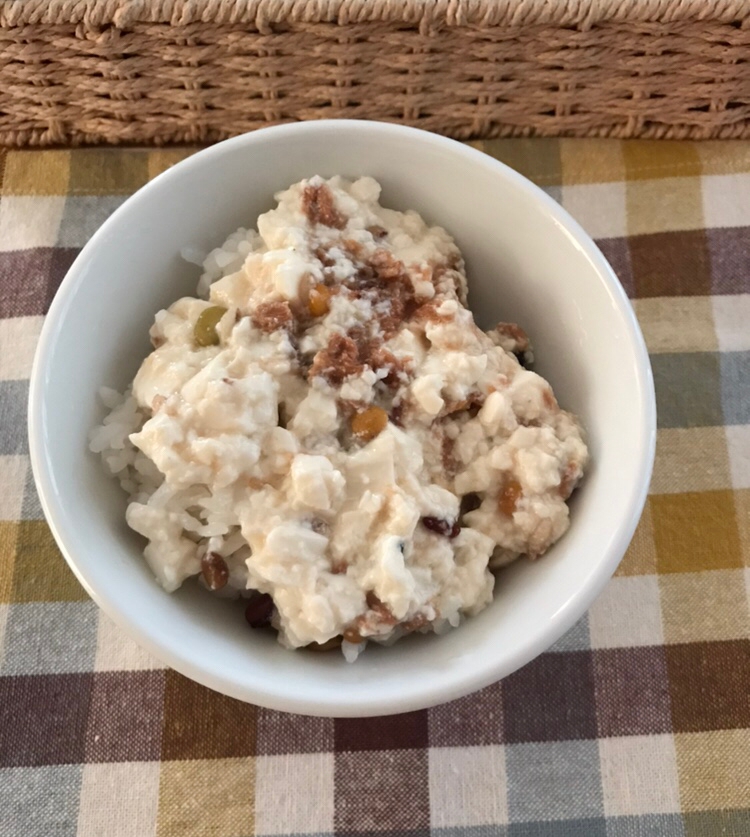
(319, 208)
(401, 309)
(271, 316)
(372, 353)
(429, 313)
(381, 358)
(386, 265)
(337, 361)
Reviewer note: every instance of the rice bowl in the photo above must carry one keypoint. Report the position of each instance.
(529, 263)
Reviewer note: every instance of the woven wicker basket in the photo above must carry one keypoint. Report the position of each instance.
(175, 71)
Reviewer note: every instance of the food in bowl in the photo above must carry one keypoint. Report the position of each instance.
(325, 430)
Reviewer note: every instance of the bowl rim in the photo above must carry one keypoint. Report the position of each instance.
(429, 694)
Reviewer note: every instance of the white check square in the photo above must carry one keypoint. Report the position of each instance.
(27, 222)
(732, 322)
(726, 200)
(18, 339)
(116, 651)
(468, 786)
(627, 613)
(119, 800)
(738, 445)
(294, 794)
(13, 470)
(598, 207)
(639, 775)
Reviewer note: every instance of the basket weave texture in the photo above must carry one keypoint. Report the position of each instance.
(179, 71)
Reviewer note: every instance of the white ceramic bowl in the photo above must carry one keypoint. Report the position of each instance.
(527, 262)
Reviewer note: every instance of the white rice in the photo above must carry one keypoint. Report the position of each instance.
(205, 518)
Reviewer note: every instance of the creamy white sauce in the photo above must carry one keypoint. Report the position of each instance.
(332, 526)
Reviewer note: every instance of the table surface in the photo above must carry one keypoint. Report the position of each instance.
(636, 723)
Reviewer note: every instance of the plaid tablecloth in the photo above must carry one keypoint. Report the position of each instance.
(637, 723)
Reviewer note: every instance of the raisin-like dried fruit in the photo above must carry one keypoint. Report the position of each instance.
(259, 611)
(509, 497)
(369, 423)
(441, 526)
(319, 301)
(214, 571)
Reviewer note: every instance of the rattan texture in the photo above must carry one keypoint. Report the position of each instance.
(97, 71)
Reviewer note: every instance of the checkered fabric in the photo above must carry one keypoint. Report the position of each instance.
(636, 724)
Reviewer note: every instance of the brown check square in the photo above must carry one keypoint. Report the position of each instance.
(280, 733)
(30, 278)
(24, 281)
(389, 732)
(202, 724)
(729, 256)
(551, 699)
(655, 206)
(382, 792)
(670, 264)
(632, 691)
(703, 607)
(476, 719)
(43, 718)
(708, 684)
(617, 253)
(125, 719)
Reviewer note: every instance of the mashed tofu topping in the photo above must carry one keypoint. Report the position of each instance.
(328, 427)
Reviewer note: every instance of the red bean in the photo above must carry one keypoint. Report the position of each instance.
(470, 502)
(440, 526)
(259, 611)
